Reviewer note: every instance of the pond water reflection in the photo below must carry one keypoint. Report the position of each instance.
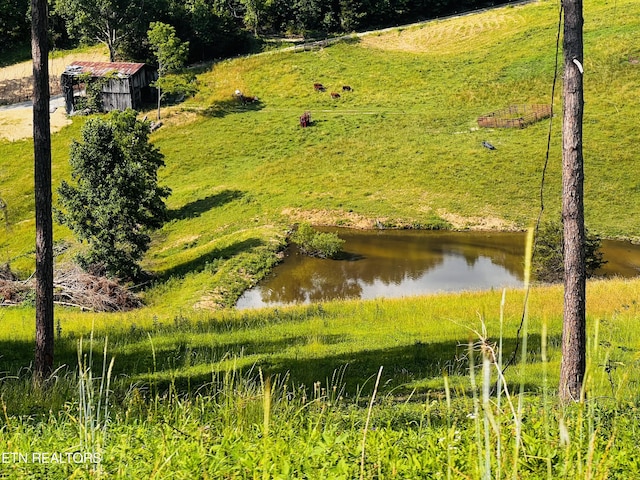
(393, 263)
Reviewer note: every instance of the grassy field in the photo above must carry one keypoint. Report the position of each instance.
(401, 149)
(201, 390)
(284, 393)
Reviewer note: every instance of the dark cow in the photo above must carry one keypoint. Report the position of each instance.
(305, 119)
(318, 87)
(346, 88)
(244, 99)
(335, 95)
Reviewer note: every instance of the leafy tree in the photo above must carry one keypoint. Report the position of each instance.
(170, 52)
(105, 21)
(548, 262)
(309, 14)
(14, 24)
(351, 14)
(116, 200)
(254, 11)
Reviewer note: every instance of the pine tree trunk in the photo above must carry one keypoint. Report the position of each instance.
(573, 363)
(42, 174)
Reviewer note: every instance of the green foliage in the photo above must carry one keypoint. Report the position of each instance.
(317, 244)
(92, 101)
(116, 200)
(254, 11)
(177, 86)
(107, 21)
(400, 148)
(548, 260)
(170, 52)
(14, 26)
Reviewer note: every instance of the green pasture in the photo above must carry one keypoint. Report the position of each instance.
(200, 390)
(417, 340)
(401, 149)
(284, 393)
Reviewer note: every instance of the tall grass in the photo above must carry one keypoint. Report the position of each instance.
(93, 400)
(254, 425)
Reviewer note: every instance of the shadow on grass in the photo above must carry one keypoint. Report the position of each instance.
(200, 263)
(405, 366)
(168, 359)
(164, 360)
(223, 108)
(202, 205)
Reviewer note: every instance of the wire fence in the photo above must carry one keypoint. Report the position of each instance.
(515, 116)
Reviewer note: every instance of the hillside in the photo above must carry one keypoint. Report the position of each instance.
(402, 148)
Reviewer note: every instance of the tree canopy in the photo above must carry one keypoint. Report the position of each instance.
(105, 21)
(116, 200)
(214, 28)
(171, 54)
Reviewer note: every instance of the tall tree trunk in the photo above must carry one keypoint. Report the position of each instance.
(42, 174)
(572, 368)
(159, 99)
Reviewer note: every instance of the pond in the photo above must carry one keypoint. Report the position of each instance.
(399, 263)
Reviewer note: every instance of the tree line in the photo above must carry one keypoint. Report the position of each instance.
(213, 28)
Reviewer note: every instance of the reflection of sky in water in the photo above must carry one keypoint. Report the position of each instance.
(410, 263)
(453, 275)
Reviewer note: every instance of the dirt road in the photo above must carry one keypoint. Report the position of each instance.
(16, 121)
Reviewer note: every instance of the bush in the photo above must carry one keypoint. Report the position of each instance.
(548, 259)
(317, 244)
(116, 200)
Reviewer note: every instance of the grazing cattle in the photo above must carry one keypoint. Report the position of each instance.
(346, 88)
(335, 95)
(318, 87)
(244, 99)
(486, 144)
(305, 119)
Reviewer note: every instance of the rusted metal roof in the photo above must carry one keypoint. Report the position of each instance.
(99, 69)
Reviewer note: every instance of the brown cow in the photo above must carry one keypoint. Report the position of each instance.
(318, 87)
(335, 95)
(246, 99)
(305, 119)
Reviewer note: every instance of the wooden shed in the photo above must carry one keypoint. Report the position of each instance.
(122, 85)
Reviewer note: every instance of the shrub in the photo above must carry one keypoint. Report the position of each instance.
(317, 244)
(548, 260)
(116, 200)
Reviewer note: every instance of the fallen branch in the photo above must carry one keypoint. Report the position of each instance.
(72, 288)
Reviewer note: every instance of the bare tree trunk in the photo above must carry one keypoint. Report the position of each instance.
(42, 174)
(159, 99)
(572, 368)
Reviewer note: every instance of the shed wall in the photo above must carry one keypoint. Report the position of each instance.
(122, 92)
